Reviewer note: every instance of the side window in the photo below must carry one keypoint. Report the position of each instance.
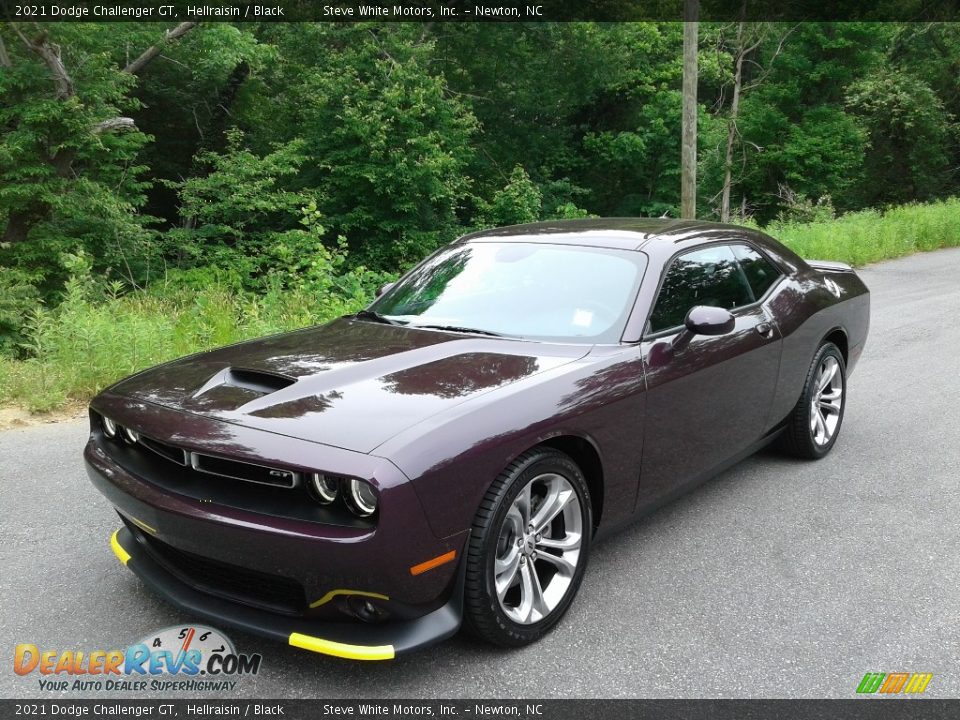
(760, 273)
(710, 276)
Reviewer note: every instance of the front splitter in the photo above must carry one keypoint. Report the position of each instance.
(351, 640)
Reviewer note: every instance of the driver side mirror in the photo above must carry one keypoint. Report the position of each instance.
(708, 320)
(383, 288)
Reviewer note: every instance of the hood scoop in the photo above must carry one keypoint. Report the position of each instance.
(256, 381)
(233, 387)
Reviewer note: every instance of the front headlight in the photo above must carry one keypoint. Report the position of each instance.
(361, 497)
(324, 488)
(131, 436)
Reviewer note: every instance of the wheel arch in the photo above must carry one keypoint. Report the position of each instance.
(838, 336)
(585, 454)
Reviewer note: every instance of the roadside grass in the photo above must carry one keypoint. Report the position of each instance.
(84, 345)
(869, 236)
(97, 336)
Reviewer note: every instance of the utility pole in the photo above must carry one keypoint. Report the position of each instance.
(688, 152)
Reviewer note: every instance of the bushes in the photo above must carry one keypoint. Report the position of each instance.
(98, 335)
(868, 236)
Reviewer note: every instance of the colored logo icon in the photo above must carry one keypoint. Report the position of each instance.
(893, 683)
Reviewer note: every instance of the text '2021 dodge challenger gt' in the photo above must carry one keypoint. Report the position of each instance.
(449, 454)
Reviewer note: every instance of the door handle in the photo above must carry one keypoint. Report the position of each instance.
(765, 329)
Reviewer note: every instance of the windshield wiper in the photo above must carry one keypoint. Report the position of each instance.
(377, 317)
(459, 329)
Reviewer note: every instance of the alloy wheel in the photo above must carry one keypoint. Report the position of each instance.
(827, 401)
(538, 548)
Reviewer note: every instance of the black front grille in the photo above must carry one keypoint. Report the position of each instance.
(238, 470)
(250, 587)
(269, 489)
(170, 452)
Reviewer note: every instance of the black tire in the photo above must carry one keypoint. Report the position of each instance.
(799, 439)
(483, 613)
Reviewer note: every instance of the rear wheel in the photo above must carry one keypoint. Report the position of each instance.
(528, 549)
(814, 424)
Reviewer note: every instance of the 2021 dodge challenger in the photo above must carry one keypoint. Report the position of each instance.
(449, 454)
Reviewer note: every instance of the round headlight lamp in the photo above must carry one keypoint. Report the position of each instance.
(109, 427)
(324, 488)
(131, 436)
(361, 498)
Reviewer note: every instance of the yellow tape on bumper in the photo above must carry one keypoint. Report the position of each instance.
(334, 593)
(142, 525)
(122, 555)
(342, 650)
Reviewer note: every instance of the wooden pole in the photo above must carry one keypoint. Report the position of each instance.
(688, 153)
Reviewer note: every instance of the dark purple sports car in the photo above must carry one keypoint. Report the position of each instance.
(450, 454)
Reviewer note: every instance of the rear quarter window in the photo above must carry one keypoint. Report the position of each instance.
(760, 272)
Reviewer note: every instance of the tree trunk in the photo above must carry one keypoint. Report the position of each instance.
(19, 224)
(732, 127)
(688, 152)
(153, 51)
(4, 57)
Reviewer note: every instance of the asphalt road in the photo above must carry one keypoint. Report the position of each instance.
(778, 578)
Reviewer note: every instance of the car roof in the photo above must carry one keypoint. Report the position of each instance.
(619, 233)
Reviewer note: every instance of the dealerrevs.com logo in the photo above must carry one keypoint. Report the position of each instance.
(192, 658)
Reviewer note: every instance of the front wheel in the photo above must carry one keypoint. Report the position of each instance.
(528, 549)
(814, 424)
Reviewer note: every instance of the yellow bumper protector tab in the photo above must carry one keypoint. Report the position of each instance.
(334, 593)
(122, 555)
(342, 650)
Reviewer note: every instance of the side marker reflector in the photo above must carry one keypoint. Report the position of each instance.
(122, 555)
(435, 562)
(342, 650)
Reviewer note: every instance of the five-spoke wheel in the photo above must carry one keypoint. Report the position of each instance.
(827, 401)
(538, 548)
(813, 426)
(528, 548)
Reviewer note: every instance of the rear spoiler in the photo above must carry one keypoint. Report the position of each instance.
(830, 266)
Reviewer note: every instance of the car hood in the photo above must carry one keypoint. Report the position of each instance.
(352, 384)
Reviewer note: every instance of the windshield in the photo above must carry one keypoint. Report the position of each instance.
(523, 290)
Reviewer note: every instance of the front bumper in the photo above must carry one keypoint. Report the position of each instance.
(354, 641)
(261, 567)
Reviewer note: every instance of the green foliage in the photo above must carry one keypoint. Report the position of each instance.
(279, 173)
(63, 183)
(909, 132)
(240, 216)
(18, 297)
(794, 126)
(98, 334)
(800, 209)
(385, 144)
(519, 201)
(868, 236)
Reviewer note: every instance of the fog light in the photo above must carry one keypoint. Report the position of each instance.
(109, 427)
(366, 611)
(361, 498)
(131, 436)
(325, 488)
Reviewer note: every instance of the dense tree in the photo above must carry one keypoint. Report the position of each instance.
(386, 146)
(243, 149)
